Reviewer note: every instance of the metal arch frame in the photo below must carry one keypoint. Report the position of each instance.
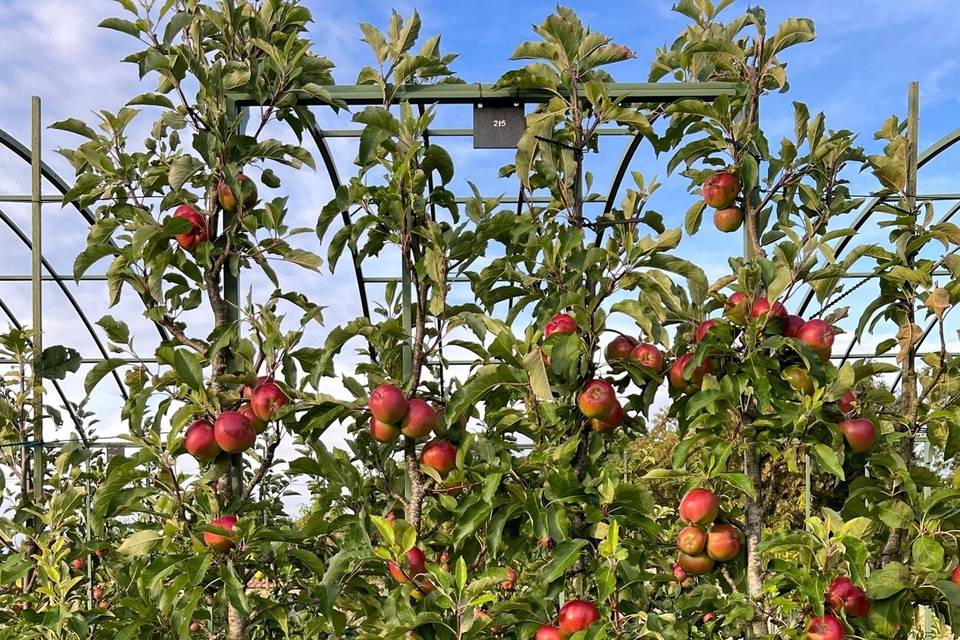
(56, 384)
(929, 154)
(421, 95)
(66, 292)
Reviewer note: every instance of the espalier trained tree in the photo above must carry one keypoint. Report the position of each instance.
(502, 503)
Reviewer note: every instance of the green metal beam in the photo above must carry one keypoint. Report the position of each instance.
(629, 93)
(455, 133)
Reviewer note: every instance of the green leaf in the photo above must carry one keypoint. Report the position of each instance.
(537, 373)
(485, 379)
(73, 125)
(888, 581)
(57, 361)
(691, 222)
(437, 159)
(100, 370)
(141, 543)
(189, 368)
(117, 330)
(236, 593)
(564, 556)
(89, 256)
(119, 24)
(927, 553)
(828, 459)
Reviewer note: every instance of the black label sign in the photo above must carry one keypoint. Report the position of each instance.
(497, 127)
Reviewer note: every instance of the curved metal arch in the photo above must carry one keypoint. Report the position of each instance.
(66, 292)
(56, 385)
(22, 152)
(327, 157)
(926, 156)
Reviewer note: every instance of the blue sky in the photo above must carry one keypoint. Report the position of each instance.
(857, 72)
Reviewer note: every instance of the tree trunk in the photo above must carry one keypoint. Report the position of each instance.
(754, 526)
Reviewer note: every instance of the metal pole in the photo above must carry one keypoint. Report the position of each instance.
(36, 271)
(913, 147)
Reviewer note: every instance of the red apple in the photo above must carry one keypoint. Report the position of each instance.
(195, 626)
(440, 455)
(728, 220)
(620, 347)
(228, 200)
(763, 308)
(233, 432)
(696, 565)
(416, 565)
(955, 576)
(685, 385)
(383, 431)
(577, 615)
(267, 398)
(387, 404)
(219, 541)
(510, 582)
(691, 540)
(420, 420)
(723, 542)
(200, 442)
(721, 189)
(548, 632)
(847, 402)
(610, 422)
(859, 432)
(791, 328)
(104, 604)
(648, 356)
(857, 604)
(247, 412)
(702, 329)
(198, 230)
(598, 399)
(247, 391)
(699, 506)
(818, 335)
(736, 308)
(827, 627)
(678, 572)
(837, 592)
(561, 323)
(78, 564)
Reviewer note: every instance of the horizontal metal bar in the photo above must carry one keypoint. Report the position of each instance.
(865, 355)
(516, 200)
(8, 361)
(870, 274)
(457, 133)
(389, 279)
(51, 278)
(894, 197)
(28, 198)
(477, 92)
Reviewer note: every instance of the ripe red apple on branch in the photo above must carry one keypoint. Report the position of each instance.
(699, 506)
(420, 420)
(721, 189)
(608, 423)
(198, 232)
(416, 565)
(200, 442)
(791, 328)
(694, 382)
(549, 632)
(818, 335)
(702, 329)
(219, 541)
(383, 431)
(860, 433)
(577, 615)
(247, 412)
(773, 315)
(267, 398)
(737, 307)
(827, 627)
(562, 323)
(388, 404)
(648, 357)
(439, 455)
(696, 565)
(724, 542)
(620, 348)
(598, 399)
(691, 540)
(234, 432)
(728, 219)
(847, 403)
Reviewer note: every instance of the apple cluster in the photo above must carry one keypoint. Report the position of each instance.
(841, 595)
(575, 615)
(234, 431)
(774, 319)
(703, 542)
(720, 191)
(199, 227)
(392, 413)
